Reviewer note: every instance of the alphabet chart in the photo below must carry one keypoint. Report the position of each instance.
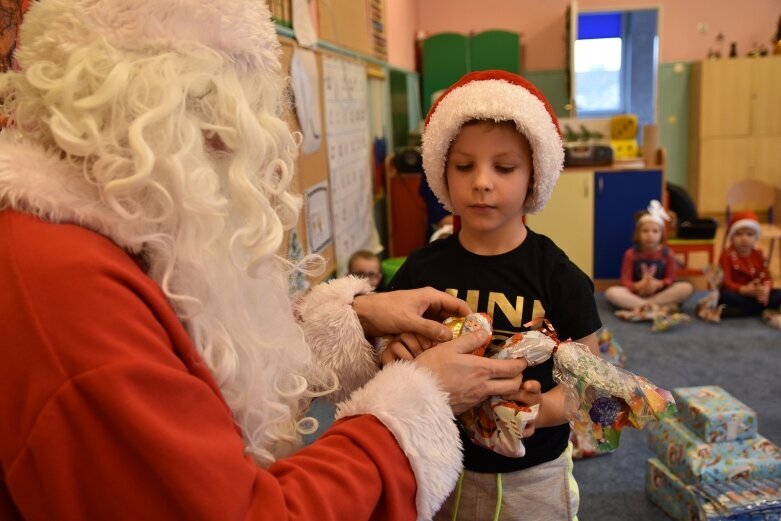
(349, 168)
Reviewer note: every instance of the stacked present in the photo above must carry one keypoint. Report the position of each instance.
(710, 461)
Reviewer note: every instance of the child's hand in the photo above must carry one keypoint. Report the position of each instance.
(530, 393)
(644, 287)
(752, 289)
(763, 295)
(656, 285)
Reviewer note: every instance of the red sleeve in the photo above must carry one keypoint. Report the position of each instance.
(669, 270)
(762, 265)
(626, 269)
(150, 443)
(114, 418)
(727, 281)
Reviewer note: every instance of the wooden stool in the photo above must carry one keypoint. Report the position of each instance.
(686, 246)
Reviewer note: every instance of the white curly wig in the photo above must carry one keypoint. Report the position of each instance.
(171, 112)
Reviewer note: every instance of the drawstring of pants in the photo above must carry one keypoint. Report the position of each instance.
(457, 501)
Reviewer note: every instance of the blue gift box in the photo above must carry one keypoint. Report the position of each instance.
(669, 493)
(739, 500)
(714, 414)
(695, 461)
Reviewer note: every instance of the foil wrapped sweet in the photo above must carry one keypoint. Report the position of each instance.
(470, 323)
(496, 424)
(601, 399)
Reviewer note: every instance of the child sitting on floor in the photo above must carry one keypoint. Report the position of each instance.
(747, 287)
(648, 286)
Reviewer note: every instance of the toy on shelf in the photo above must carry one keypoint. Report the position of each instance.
(623, 136)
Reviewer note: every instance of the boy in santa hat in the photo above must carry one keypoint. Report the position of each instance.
(747, 287)
(492, 152)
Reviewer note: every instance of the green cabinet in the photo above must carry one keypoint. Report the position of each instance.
(448, 56)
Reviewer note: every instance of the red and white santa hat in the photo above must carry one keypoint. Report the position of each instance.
(497, 96)
(747, 219)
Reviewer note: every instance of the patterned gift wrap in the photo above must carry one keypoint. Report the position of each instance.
(695, 461)
(739, 500)
(714, 414)
(669, 493)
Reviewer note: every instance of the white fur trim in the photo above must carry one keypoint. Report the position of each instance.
(37, 182)
(240, 30)
(496, 100)
(335, 334)
(745, 223)
(418, 414)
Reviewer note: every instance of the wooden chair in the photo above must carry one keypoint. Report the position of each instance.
(752, 194)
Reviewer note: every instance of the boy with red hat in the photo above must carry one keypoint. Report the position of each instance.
(492, 152)
(747, 287)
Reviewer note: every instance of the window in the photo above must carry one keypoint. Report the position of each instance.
(615, 59)
(598, 76)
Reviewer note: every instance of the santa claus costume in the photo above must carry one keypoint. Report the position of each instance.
(152, 367)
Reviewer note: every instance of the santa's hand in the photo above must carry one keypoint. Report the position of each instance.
(469, 379)
(417, 311)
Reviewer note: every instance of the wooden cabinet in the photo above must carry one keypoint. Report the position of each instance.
(735, 128)
(618, 196)
(406, 213)
(590, 215)
(568, 218)
(448, 56)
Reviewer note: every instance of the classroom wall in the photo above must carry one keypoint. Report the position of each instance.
(542, 24)
(402, 19)
(687, 30)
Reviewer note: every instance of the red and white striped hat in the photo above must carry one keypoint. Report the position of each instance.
(497, 96)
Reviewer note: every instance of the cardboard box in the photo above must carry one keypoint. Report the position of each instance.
(695, 461)
(714, 414)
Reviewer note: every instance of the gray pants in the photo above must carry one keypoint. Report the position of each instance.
(546, 492)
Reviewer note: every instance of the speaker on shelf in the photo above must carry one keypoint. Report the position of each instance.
(408, 160)
(587, 155)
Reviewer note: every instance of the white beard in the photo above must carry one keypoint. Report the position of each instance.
(244, 328)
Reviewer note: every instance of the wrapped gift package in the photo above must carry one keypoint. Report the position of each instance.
(669, 493)
(695, 461)
(714, 414)
(741, 499)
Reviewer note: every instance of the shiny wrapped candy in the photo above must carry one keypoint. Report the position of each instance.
(601, 399)
(470, 323)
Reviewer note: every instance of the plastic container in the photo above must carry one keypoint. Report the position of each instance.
(389, 268)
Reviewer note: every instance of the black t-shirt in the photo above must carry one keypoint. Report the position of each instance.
(535, 279)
